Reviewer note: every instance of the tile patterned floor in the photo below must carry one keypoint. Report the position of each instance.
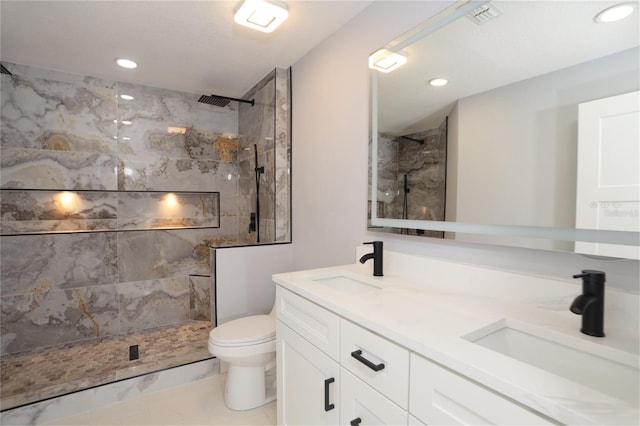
(37, 375)
(196, 403)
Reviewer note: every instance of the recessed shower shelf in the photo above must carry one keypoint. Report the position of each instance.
(52, 211)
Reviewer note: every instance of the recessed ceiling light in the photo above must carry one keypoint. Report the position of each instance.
(261, 15)
(437, 82)
(126, 97)
(126, 63)
(615, 13)
(385, 60)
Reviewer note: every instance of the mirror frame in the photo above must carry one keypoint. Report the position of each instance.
(627, 238)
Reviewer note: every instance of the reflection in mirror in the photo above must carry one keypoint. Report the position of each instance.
(518, 74)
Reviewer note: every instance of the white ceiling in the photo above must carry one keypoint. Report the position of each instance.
(530, 38)
(191, 46)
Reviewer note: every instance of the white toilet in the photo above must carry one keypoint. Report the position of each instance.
(248, 346)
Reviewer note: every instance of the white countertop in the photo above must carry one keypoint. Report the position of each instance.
(429, 318)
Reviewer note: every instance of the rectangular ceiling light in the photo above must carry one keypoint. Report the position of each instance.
(261, 15)
(385, 60)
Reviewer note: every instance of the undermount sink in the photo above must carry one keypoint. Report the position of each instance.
(346, 284)
(604, 369)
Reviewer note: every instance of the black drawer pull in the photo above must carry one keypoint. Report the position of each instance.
(356, 421)
(358, 355)
(327, 406)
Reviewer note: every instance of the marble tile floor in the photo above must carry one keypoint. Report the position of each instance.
(36, 375)
(196, 403)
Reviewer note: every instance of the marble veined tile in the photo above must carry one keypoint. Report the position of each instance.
(138, 210)
(147, 255)
(42, 319)
(153, 303)
(36, 263)
(56, 226)
(167, 174)
(45, 211)
(57, 115)
(200, 291)
(24, 168)
(174, 125)
(32, 73)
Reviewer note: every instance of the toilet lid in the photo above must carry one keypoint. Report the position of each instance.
(253, 329)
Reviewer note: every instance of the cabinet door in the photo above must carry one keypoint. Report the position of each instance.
(308, 381)
(318, 325)
(439, 396)
(361, 405)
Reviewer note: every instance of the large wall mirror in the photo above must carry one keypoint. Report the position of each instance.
(533, 142)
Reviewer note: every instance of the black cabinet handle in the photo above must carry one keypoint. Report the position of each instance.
(356, 421)
(327, 406)
(358, 355)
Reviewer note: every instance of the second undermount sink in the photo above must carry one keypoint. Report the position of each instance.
(346, 284)
(601, 368)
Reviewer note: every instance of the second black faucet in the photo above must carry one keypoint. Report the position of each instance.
(376, 256)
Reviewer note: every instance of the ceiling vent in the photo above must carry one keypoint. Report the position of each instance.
(483, 14)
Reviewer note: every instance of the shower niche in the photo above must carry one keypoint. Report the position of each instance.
(112, 197)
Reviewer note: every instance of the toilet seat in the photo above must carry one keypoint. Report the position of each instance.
(252, 330)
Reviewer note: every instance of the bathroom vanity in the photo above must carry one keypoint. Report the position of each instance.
(434, 342)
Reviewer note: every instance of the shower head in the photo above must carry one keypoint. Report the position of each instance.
(222, 101)
(214, 100)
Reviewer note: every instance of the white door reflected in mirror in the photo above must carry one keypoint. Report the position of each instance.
(608, 190)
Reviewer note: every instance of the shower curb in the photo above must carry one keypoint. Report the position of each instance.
(74, 403)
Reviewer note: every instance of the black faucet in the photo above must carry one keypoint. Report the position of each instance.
(590, 304)
(376, 256)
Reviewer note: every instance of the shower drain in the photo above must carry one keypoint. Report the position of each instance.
(133, 352)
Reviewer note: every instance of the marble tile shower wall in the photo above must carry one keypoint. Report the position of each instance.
(266, 125)
(66, 132)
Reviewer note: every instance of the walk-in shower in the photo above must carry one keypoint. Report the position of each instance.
(412, 171)
(112, 196)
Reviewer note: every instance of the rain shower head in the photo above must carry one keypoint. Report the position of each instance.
(222, 101)
(214, 100)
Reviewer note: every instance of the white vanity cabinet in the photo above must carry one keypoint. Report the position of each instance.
(308, 382)
(320, 381)
(332, 371)
(440, 396)
(308, 372)
(361, 405)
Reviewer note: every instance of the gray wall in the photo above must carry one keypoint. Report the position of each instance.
(331, 133)
(540, 136)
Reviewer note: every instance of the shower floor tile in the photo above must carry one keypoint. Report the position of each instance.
(36, 375)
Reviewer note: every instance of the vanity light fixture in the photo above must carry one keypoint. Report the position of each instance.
(437, 82)
(385, 60)
(126, 63)
(261, 15)
(615, 13)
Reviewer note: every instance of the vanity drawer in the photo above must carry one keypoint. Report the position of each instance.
(440, 396)
(363, 352)
(361, 404)
(319, 326)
